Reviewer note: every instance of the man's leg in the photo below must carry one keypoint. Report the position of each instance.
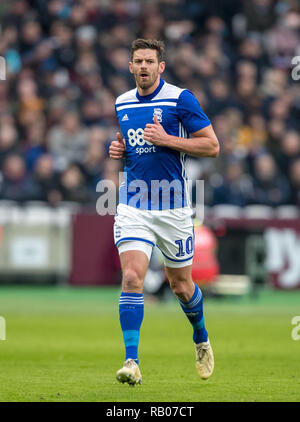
(134, 264)
(191, 302)
(190, 299)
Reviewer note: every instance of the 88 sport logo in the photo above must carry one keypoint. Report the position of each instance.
(136, 138)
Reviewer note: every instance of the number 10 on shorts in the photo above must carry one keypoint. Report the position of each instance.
(186, 248)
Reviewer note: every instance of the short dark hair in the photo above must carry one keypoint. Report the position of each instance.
(142, 44)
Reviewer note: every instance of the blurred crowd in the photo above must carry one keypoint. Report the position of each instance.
(67, 60)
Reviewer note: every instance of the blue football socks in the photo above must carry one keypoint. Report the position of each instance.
(131, 312)
(194, 311)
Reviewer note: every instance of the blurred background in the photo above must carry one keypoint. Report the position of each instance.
(67, 60)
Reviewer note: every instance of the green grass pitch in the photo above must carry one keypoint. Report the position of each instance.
(65, 344)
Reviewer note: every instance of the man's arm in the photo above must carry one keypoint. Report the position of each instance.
(203, 143)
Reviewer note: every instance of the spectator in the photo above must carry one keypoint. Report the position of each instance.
(289, 151)
(65, 52)
(72, 185)
(16, 184)
(94, 160)
(234, 189)
(253, 134)
(269, 186)
(30, 103)
(8, 141)
(31, 35)
(91, 112)
(260, 14)
(283, 39)
(68, 141)
(46, 181)
(34, 143)
(219, 97)
(276, 131)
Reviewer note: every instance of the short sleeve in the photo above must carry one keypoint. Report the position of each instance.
(190, 112)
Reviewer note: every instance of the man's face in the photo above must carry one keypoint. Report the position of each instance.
(146, 68)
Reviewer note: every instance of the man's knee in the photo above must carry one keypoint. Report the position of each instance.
(131, 280)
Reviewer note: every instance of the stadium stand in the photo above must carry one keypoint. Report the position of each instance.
(67, 61)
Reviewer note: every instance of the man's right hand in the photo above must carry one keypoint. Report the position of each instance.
(117, 148)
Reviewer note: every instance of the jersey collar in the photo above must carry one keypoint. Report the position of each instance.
(149, 97)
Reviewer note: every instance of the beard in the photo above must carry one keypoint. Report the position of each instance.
(145, 83)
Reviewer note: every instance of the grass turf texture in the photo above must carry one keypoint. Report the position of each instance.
(65, 344)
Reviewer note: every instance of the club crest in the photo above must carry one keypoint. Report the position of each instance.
(158, 113)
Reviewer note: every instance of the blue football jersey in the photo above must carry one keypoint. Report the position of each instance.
(155, 176)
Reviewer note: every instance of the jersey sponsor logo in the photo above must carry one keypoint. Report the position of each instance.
(158, 113)
(145, 150)
(136, 138)
(125, 117)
